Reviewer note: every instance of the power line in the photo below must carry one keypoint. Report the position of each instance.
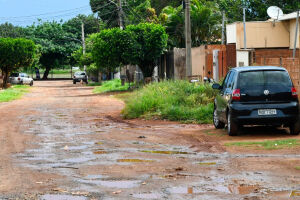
(49, 13)
(33, 18)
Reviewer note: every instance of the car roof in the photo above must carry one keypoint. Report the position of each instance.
(255, 68)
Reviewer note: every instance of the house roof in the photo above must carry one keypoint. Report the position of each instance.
(288, 16)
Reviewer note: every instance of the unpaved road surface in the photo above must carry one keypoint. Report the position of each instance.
(62, 142)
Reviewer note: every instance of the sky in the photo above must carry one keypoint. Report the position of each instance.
(25, 12)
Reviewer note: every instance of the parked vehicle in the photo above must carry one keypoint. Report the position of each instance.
(256, 96)
(80, 76)
(20, 78)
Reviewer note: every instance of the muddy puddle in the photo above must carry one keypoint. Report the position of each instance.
(61, 197)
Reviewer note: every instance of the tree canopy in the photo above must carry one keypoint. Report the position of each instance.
(15, 53)
(56, 43)
(138, 44)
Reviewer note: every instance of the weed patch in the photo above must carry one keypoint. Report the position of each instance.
(13, 93)
(172, 100)
(111, 86)
(275, 144)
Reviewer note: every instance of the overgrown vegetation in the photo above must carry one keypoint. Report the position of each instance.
(111, 86)
(172, 100)
(273, 144)
(13, 93)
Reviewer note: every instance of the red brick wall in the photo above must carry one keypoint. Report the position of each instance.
(275, 53)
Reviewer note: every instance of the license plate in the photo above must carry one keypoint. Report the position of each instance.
(267, 112)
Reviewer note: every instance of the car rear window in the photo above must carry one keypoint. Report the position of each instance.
(14, 74)
(264, 78)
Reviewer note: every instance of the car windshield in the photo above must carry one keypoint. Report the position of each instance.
(80, 73)
(264, 79)
(23, 75)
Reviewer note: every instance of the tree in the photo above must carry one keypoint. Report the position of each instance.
(159, 5)
(9, 30)
(135, 12)
(205, 22)
(91, 25)
(113, 48)
(256, 10)
(106, 10)
(138, 44)
(15, 53)
(152, 39)
(57, 44)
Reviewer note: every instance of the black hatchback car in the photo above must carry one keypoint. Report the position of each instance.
(256, 96)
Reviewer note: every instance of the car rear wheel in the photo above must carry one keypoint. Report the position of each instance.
(217, 123)
(74, 82)
(31, 83)
(294, 130)
(232, 127)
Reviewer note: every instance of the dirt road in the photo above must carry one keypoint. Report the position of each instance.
(62, 142)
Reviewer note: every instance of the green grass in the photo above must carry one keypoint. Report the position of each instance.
(95, 84)
(274, 144)
(297, 167)
(172, 100)
(13, 93)
(111, 86)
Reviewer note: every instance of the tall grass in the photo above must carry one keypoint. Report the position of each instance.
(172, 100)
(111, 86)
(13, 93)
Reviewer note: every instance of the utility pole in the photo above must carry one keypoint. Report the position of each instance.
(245, 39)
(83, 42)
(223, 28)
(120, 11)
(188, 39)
(296, 36)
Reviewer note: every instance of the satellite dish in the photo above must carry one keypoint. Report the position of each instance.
(274, 12)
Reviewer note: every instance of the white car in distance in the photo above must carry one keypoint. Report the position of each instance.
(20, 78)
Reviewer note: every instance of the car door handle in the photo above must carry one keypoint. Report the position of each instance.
(243, 94)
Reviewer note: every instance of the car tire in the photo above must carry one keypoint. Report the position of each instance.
(217, 123)
(232, 127)
(74, 82)
(294, 130)
(31, 83)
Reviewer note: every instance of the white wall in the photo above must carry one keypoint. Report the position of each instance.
(242, 57)
(231, 33)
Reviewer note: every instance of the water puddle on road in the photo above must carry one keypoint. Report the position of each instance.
(147, 196)
(134, 160)
(165, 152)
(207, 163)
(61, 197)
(184, 190)
(119, 184)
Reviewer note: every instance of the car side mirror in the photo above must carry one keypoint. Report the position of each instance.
(216, 86)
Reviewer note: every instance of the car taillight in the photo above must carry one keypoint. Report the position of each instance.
(294, 93)
(19, 78)
(236, 95)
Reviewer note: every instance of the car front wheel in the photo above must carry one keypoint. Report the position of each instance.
(217, 123)
(232, 126)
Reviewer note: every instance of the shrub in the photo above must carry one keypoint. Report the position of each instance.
(172, 100)
(111, 86)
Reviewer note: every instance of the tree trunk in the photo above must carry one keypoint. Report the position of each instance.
(46, 73)
(5, 78)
